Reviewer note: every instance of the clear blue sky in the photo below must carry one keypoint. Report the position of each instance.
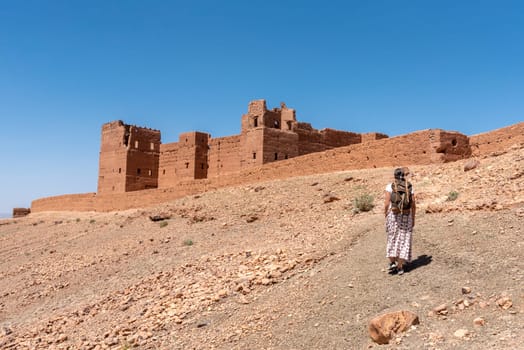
(67, 67)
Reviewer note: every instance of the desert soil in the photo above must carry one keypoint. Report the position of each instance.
(285, 264)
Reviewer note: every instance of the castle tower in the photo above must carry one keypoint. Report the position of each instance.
(129, 157)
(267, 135)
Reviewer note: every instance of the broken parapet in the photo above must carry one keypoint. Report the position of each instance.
(21, 212)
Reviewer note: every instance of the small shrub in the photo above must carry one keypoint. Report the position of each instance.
(188, 242)
(452, 196)
(163, 223)
(77, 219)
(92, 221)
(362, 203)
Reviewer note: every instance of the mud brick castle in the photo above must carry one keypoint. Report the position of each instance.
(136, 169)
(133, 158)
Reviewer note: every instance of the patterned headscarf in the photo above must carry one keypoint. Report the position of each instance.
(399, 174)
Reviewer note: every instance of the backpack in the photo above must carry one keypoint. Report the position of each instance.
(401, 197)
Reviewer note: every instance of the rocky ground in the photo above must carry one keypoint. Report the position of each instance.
(285, 264)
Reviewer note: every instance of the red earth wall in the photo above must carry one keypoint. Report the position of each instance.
(423, 147)
(497, 140)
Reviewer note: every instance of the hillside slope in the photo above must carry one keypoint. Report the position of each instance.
(278, 265)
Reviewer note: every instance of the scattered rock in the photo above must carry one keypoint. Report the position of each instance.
(479, 321)
(466, 290)
(251, 218)
(471, 164)
(202, 324)
(383, 328)
(505, 303)
(159, 217)
(441, 309)
(5, 330)
(328, 198)
(461, 333)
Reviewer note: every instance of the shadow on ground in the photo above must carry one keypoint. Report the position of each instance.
(421, 260)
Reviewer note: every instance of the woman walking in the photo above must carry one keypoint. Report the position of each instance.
(399, 210)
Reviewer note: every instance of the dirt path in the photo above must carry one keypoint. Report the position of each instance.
(329, 306)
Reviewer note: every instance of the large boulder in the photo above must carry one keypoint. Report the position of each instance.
(383, 328)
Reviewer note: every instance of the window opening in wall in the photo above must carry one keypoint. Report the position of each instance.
(289, 124)
(164, 172)
(254, 155)
(454, 142)
(187, 165)
(152, 146)
(276, 124)
(150, 172)
(255, 122)
(119, 170)
(186, 139)
(138, 171)
(276, 156)
(202, 166)
(285, 157)
(136, 144)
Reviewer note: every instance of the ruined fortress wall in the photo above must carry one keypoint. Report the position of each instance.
(224, 155)
(167, 165)
(372, 136)
(68, 202)
(113, 158)
(129, 158)
(449, 146)
(337, 138)
(497, 140)
(251, 147)
(192, 155)
(416, 148)
(143, 152)
(279, 145)
(309, 139)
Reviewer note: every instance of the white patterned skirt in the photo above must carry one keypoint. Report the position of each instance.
(399, 228)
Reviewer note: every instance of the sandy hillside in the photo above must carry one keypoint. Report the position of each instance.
(278, 265)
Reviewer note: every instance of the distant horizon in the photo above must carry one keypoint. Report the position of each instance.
(361, 66)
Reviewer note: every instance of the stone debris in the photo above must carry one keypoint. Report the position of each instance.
(384, 327)
(159, 217)
(471, 164)
(479, 321)
(505, 303)
(441, 309)
(329, 198)
(466, 290)
(461, 333)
